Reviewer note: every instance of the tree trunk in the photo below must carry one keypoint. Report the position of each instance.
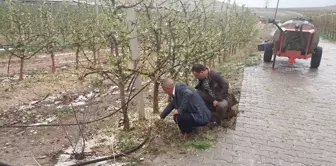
(232, 49)
(77, 57)
(210, 63)
(53, 67)
(226, 55)
(98, 57)
(156, 97)
(9, 61)
(21, 68)
(186, 77)
(94, 56)
(124, 109)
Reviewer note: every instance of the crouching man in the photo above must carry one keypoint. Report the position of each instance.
(191, 110)
(214, 90)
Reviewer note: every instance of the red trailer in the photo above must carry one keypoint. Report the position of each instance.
(295, 39)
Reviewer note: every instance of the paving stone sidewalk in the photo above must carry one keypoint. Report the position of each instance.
(288, 118)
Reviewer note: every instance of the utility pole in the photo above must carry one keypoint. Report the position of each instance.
(97, 53)
(266, 3)
(97, 10)
(276, 9)
(135, 51)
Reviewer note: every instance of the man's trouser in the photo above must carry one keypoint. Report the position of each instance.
(3, 164)
(185, 122)
(222, 109)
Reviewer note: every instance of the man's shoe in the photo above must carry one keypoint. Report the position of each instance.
(195, 130)
(184, 136)
(212, 125)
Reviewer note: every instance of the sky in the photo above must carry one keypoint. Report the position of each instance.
(286, 3)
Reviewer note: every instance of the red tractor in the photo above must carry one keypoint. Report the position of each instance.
(295, 39)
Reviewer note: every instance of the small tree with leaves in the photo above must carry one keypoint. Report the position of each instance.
(20, 30)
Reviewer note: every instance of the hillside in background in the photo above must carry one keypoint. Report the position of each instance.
(288, 13)
(282, 15)
(333, 7)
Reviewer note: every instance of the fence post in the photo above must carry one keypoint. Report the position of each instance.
(135, 51)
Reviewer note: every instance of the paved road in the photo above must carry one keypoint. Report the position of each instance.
(288, 118)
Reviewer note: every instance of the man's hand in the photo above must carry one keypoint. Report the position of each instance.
(215, 103)
(176, 112)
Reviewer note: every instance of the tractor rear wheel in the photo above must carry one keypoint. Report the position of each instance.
(268, 53)
(316, 58)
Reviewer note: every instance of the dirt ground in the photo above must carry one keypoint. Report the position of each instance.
(46, 98)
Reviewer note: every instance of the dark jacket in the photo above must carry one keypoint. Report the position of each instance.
(188, 101)
(3, 164)
(218, 85)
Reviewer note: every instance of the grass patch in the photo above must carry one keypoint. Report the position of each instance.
(132, 138)
(3, 55)
(325, 36)
(132, 164)
(198, 144)
(96, 82)
(167, 138)
(126, 142)
(253, 55)
(251, 62)
(66, 110)
(234, 65)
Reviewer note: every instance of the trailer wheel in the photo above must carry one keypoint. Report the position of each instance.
(268, 53)
(316, 58)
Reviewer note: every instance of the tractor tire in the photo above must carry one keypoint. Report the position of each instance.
(316, 58)
(268, 53)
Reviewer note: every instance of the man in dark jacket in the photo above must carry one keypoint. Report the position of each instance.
(3, 164)
(214, 90)
(191, 109)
